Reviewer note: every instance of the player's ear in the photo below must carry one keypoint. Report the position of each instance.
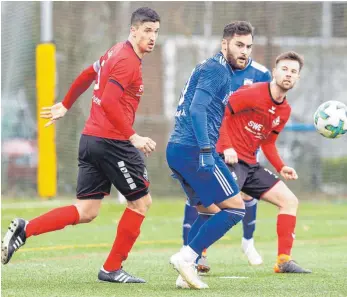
(133, 31)
(273, 72)
(224, 44)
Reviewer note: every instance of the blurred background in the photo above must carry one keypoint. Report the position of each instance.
(190, 32)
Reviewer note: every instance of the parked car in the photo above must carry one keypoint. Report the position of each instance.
(18, 144)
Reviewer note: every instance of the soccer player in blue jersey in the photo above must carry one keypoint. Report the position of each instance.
(191, 153)
(245, 72)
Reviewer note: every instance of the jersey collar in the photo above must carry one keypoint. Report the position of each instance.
(128, 43)
(220, 57)
(272, 99)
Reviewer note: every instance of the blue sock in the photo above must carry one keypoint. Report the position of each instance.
(215, 228)
(190, 215)
(201, 219)
(249, 218)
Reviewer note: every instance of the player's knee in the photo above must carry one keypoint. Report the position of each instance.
(88, 215)
(147, 202)
(289, 201)
(293, 201)
(246, 197)
(141, 205)
(234, 215)
(233, 202)
(88, 210)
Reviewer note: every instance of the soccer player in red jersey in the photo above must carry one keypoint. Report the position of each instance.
(108, 149)
(254, 117)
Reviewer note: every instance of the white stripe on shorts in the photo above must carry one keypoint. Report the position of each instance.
(225, 180)
(222, 183)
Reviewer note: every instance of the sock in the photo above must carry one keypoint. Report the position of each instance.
(190, 215)
(285, 232)
(215, 228)
(127, 232)
(249, 218)
(53, 220)
(188, 254)
(200, 220)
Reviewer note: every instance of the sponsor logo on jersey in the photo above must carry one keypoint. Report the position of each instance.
(247, 81)
(255, 126)
(276, 122)
(272, 110)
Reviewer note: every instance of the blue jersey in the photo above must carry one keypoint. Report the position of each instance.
(252, 73)
(213, 76)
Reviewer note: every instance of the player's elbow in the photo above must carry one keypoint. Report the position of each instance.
(197, 109)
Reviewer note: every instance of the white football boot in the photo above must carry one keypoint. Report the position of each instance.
(249, 250)
(181, 283)
(186, 268)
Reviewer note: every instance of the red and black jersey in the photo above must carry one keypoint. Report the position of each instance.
(251, 118)
(121, 66)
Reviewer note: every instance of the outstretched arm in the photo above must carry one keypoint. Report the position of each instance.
(78, 87)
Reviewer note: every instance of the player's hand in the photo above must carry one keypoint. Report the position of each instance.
(53, 113)
(230, 156)
(144, 144)
(288, 173)
(206, 162)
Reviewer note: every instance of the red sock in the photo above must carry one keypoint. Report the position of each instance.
(53, 220)
(285, 232)
(127, 232)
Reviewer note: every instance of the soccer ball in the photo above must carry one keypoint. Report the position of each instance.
(330, 119)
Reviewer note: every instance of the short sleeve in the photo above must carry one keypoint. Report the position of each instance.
(241, 99)
(122, 73)
(212, 79)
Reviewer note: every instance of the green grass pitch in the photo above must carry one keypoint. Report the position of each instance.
(66, 263)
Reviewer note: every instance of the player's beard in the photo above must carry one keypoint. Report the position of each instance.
(233, 61)
(285, 88)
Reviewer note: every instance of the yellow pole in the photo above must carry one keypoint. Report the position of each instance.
(45, 86)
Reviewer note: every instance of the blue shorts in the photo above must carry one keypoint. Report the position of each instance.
(203, 188)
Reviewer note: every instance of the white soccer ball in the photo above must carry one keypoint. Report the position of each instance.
(330, 119)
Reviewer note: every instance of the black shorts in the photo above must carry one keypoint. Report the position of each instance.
(103, 162)
(253, 179)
